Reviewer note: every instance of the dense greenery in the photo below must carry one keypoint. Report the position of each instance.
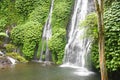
(108, 3)
(112, 24)
(27, 35)
(40, 13)
(57, 45)
(90, 23)
(26, 19)
(112, 41)
(7, 14)
(60, 18)
(10, 48)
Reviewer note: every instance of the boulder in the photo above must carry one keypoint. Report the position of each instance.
(4, 62)
(1, 53)
(47, 63)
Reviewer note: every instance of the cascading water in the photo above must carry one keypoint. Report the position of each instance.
(7, 39)
(47, 33)
(78, 45)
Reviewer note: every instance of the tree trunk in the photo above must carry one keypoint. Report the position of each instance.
(99, 8)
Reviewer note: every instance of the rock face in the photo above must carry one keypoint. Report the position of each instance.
(4, 62)
(47, 63)
(44, 63)
(1, 53)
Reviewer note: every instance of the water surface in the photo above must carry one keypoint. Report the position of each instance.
(35, 71)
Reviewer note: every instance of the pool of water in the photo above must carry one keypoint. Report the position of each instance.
(35, 71)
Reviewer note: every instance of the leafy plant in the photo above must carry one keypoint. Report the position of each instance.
(27, 35)
(57, 45)
(90, 23)
(112, 41)
(41, 12)
(60, 19)
(3, 22)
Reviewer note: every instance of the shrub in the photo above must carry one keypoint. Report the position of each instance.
(57, 45)
(112, 40)
(60, 19)
(41, 12)
(27, 35)
(90, 23)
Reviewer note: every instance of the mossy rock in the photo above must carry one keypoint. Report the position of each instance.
(4, 60)
(17, 57)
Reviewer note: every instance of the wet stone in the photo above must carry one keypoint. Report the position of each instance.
(4, 62)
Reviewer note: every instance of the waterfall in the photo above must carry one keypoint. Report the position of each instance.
(78, 45)
(47, 33)
(7, 39)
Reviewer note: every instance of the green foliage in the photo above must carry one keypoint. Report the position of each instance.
(30, 16)
(60, 19)
(61, 10)
(17, 35)
(17, 57)
(8, 11)
(24, 7)
(109, 2)
(95, 54)
(28, 35)
(90, 23)
(31, 30)
(3, 22)
(41, 12)
(61, 13)
(112, 25)
(10, 47)
(112, 40)
(57, 45)
(28, 49)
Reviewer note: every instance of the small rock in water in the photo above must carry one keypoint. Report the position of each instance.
(4, 62)
(47, 63)
(1, 53)
(13, 61)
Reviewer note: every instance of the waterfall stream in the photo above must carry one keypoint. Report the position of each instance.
(47, 33)
(78, 45)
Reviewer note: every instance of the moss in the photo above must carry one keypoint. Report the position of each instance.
(17, 57)
(10, 47)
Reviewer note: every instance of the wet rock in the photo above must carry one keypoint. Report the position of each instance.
(47, 63)
(1, 53)
(4, 62)
(13, 61)
(44, 63)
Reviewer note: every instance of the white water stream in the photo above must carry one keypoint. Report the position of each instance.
(47, 33)
(78, 46)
